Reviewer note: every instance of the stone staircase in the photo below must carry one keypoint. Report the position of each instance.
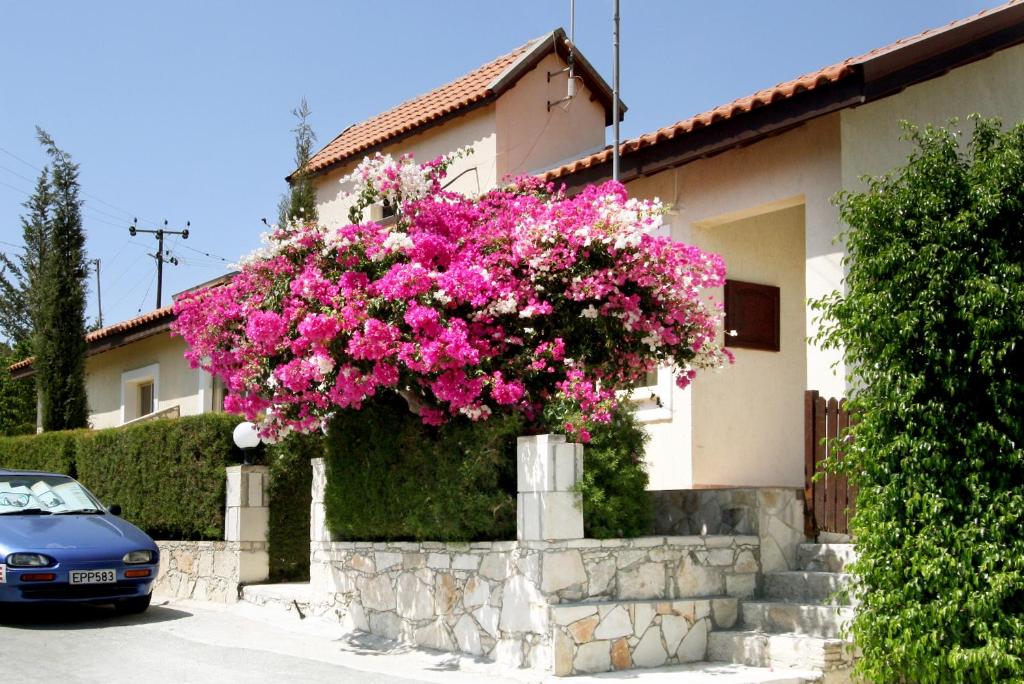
(796, 622)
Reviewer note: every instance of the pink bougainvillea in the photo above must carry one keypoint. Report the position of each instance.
(463, 306)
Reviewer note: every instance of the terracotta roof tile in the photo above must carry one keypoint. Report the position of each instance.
(116, 328)
(762, 98)
(419, 111)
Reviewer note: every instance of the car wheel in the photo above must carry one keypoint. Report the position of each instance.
(132, 606)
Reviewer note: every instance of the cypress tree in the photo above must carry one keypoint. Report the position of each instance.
(299, 203)
(59, 341)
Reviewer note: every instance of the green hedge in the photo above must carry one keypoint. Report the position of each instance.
(53, 452)
(933, 333)
(167, 475)
(389, 477)
(291, 482)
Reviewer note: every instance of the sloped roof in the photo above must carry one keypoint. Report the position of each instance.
(879, 66)
(478, 87)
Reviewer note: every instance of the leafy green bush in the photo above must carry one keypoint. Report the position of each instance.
(167, 475)
(389, 477)
(614, 484)
(933, 330)
(291, 482)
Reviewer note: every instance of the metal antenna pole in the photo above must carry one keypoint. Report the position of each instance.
(615, 94)
(99, 294)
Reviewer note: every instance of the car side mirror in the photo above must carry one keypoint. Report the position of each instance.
(115, 509)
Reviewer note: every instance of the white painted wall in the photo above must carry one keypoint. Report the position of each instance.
(532, 138)
(178, 384)
(475, 129)
(871, 133)
(716, 201)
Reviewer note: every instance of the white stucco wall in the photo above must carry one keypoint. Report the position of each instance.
(871, 133)
(475, 129)
(532, 138)
(748, 418)
(775, 179)
(178, 384)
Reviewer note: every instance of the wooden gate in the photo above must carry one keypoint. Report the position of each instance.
(830, 500)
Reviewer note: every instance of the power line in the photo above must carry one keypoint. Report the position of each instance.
(83, 209)
(212, 256)
(87, 194)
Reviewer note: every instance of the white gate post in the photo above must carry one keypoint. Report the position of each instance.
(547, 468)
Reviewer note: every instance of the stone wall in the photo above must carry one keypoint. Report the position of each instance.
(496, 599)
(204, 570)
(774, 515)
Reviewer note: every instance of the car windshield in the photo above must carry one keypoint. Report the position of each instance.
(44, 494)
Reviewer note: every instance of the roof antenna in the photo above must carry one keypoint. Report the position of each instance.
(615, 93)
(570, 89)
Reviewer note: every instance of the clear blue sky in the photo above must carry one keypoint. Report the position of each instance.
(181, 110)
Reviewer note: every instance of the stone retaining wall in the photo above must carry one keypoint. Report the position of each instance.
(495, 599)
(599, 637)
(774, 514)
(204, 570)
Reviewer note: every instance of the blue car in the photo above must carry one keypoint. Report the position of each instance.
(59, 544)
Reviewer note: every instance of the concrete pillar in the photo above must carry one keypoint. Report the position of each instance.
(318, 531)
(547, 468)
(247, 519)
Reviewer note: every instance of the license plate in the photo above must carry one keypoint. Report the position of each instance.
(92, 577)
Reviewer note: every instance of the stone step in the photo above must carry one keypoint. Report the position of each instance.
(825, 557)
(761, 649)
(809, 619)
(804, 586)
(288, 597)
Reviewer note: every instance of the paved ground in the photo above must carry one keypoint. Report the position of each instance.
(188, 642)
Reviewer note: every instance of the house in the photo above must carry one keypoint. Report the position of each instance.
(513, 112)
(135, 370)
(752, 180)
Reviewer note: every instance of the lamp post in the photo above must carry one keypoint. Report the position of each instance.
(246, 438)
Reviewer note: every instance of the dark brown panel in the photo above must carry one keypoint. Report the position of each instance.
(752, 310)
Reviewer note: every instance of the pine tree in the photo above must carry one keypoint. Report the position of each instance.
(19, 294)
(299, 203)
(59, 341)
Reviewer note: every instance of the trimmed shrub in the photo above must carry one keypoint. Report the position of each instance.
(933, 334)
(291, 482)
(167, 475)
(52, 452)
(389, 477)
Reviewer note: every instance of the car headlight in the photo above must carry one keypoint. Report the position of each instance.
(29, 560)
(135, 557)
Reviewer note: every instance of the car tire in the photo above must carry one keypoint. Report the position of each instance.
(133, 606)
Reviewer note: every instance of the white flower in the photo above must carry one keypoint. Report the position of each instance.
(589, 312)
(396, 241)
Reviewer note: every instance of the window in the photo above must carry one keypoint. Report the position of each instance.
(145, 398)
(752, 311)
(140, 392)
(652, 400)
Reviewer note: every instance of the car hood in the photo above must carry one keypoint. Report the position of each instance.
(53, 533)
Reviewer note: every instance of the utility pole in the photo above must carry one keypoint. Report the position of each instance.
(99, 296)
(133, 230)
